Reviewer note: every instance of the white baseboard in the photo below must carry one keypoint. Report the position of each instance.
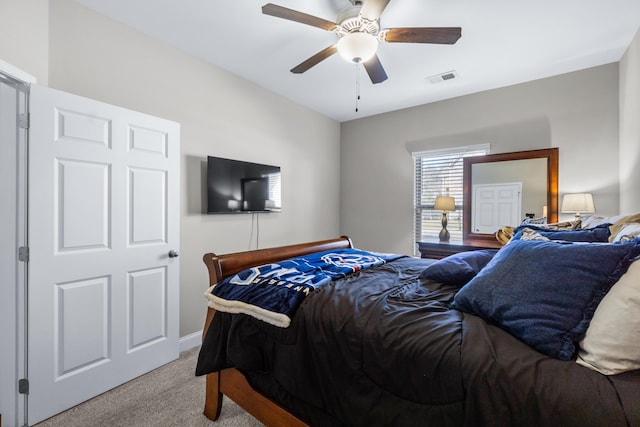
(190, 341)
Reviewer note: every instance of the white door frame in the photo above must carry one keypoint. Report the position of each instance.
(13, 308)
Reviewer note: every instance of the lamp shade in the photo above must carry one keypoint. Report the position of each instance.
(578, 202)
(357, 47)
(445, 203)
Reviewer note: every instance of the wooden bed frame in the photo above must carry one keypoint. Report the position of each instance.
(231, 382)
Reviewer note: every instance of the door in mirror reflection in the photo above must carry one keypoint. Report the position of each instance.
(496, 205)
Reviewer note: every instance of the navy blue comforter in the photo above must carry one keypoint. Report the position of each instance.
(381, 347)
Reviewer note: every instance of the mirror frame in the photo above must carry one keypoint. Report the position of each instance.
(551, 154)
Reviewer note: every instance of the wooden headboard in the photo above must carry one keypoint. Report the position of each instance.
(223, 266)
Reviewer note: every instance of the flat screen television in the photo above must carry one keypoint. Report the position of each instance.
(235, 186)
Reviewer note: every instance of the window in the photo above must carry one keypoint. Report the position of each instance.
(273, 182)
(439, 173)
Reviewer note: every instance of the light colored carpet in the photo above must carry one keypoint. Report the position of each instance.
(169, 396)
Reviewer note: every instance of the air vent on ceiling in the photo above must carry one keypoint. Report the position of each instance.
(449, 75)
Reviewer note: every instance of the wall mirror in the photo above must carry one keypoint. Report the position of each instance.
(501, 189)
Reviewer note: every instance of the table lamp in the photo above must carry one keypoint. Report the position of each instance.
(444, 204)
(578, 203)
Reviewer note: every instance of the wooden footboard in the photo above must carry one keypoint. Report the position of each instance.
(231, 382)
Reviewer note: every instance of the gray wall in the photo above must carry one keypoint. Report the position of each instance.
(630, 128)
(220, 115)
(576, 112)
(24, 36)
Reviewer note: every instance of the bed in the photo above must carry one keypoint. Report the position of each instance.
(398, 344)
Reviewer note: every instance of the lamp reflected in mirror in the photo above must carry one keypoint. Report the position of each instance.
(444, 204)
(578, 203)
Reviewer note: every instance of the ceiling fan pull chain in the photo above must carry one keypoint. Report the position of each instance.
(357, 86)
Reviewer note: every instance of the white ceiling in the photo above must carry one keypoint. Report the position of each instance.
(503, 42)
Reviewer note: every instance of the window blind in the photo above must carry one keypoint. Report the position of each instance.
(439, 173)
(274, 188)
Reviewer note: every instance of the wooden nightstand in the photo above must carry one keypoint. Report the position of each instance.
(439, 250)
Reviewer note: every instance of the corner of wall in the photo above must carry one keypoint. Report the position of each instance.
(629, 98)
(26, 24)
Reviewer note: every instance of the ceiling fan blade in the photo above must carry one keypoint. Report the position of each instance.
(375, 70)
(314, 60)
(372, 9)
(437, 35)
(294, 15)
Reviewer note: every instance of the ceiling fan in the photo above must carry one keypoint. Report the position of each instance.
(358, 30)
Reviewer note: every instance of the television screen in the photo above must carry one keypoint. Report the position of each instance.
(234, 186)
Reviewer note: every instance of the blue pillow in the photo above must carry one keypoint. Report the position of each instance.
(545, 292)
(600, 233)
(459, 268)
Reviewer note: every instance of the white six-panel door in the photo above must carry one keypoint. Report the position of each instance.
(495, 206)
(103, 217)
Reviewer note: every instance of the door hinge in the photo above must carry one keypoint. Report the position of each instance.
(24, 120)
(23, 253)
(23, 386)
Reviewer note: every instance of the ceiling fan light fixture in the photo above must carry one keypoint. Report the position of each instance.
(357, 47)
